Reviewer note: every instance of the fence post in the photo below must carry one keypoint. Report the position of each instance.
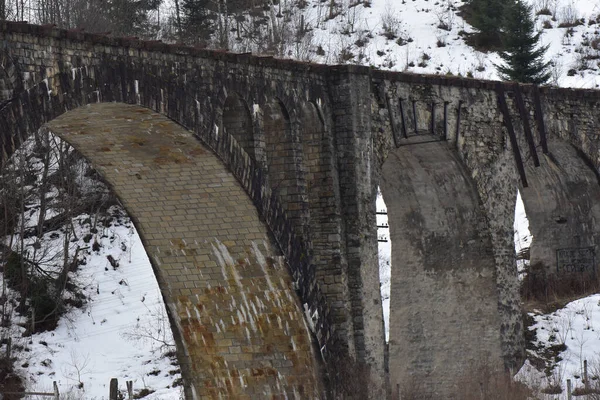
(569, 390)
(56, 392)
(130, 389)
(585, 377)
(114, 389)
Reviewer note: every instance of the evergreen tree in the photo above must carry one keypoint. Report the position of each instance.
(119, 17)
(486, 17)
(198, 20)
(522, 55)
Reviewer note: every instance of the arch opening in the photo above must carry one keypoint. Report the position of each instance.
(522, 237)
(442, 271)
(561, 202)
(237, 121)
(64, 226)
(148, 168)
(385, 259)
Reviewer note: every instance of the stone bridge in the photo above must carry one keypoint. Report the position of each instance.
(308, 146)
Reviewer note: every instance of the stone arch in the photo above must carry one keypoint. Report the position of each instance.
(561, 202)
(443, 270)
(31, 109)
(237, 121)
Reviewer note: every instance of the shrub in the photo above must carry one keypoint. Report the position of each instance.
(390, 24)
(569, 17)
(544, 11)
(39, 290)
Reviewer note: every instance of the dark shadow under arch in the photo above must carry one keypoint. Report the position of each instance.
(279, 149)
(237, 121)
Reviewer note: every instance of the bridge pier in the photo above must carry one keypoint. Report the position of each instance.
(358, 191)
(443, 304)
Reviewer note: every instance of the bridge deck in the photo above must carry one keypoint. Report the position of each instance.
(238, 316)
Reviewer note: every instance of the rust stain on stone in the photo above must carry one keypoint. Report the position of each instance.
(168, 156)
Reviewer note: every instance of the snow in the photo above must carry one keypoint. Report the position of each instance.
(417, 23)
(121, 331)
(577, 326)
(107, 338)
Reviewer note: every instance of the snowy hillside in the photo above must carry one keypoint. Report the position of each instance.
(113, 322)
(427, 36)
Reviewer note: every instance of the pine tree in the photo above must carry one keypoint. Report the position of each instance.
(522, 55)
(198, 20)
(486, 17)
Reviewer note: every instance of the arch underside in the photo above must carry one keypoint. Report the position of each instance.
(563, 209)
(444, 304)
(227, 287)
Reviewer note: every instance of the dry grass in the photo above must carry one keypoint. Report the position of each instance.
(549, 292)
(482, 382)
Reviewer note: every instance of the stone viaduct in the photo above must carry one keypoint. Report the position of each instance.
(310, 145)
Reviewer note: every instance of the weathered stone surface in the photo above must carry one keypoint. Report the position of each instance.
(443, 272)
(310, 144)
(228, 289)
(563, 208)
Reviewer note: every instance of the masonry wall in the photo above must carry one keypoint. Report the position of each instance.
(63, 70)
(482, 142)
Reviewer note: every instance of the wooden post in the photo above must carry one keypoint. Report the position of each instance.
(511, 132)
(446, 120)
(414, 105)
(403, 119)
(540, 118)
(114, 389)
(56, 392)
(458, 121)
(8, 348)
(432, 127)
(130, 389)
(526, 127)
(398, 391)
(569, 390)
(586, 381)
(393, 121)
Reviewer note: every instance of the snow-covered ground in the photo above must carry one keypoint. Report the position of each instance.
(120, 330)
(577, 326)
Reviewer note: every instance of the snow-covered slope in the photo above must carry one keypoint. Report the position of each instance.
(115, 324)
(426, 36)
